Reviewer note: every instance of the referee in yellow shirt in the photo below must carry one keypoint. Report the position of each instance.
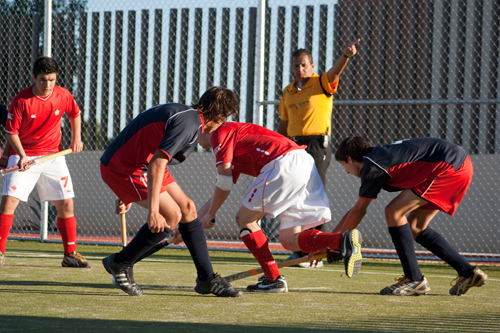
(306, 107)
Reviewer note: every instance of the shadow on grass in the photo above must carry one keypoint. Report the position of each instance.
(89, 289)
(46, 324)
(437, 323)
(43, 287)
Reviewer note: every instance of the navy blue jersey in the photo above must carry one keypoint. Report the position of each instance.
(172, 128)
(3, 115)
(406, 164)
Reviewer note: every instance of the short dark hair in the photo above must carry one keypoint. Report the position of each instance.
(301, 52)
(217, 104)
(354, 147)
(45, 65)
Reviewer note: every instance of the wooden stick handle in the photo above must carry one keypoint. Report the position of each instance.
(123, 222)
(42, 159)
(52, 156)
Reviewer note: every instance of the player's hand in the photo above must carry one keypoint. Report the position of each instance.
(315, 263)
(157, 223)
(77, 146)
(176, 238)
(350, 49)
(23, 164)
(208, 221)
(121, 208)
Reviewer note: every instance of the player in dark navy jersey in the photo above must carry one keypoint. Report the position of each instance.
(432, 175)
(134, 167)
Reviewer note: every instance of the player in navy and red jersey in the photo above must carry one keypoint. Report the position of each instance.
(432, 175)
(34, 129)
(134, 167)
(287, 183)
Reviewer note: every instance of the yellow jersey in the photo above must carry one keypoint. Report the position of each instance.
(308, 111)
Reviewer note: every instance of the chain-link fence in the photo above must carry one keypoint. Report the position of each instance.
(423, 68)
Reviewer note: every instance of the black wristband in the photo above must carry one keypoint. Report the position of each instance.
(346, 56)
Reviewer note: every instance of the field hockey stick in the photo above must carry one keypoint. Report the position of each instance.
(156, 248)
(281, 264)
(15, 168)
(123, 223)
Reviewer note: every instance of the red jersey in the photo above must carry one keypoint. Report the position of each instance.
(248, 147)
(37, 120)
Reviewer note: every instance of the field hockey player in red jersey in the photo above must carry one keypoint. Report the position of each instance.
(286, 183)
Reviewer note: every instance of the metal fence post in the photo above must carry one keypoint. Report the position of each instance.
(47, 48)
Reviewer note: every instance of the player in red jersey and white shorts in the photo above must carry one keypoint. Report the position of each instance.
(287, 184)
(34, 129)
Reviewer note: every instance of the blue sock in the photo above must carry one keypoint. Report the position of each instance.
(402, 238)
(142, 242)
(437, 244)
(194, 237)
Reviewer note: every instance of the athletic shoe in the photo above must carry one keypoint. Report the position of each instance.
(277, 286)
(406, 287)
(217, 286)
(75, 259)
(2, 259)
(123, 276)
(464, 284)
(350, 246)
(307, 264)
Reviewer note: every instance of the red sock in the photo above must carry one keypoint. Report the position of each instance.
(67, 229)
(257, 243)
(6, 221)
(313, 240)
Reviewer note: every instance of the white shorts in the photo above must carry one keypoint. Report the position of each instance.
(52, 180)
(290, 186)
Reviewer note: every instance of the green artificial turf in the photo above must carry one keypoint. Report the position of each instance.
(37, 294)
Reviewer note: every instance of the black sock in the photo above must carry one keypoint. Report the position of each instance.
(142, 242)
(403, 242)
(437, 244)
(194, 237)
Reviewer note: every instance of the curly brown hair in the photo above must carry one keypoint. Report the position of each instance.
(217, 104)
(354, 147)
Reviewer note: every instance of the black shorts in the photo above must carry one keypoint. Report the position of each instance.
(322, 156)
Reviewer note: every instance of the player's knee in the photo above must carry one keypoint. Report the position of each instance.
(415, 230)
(392, 214)
(8, 205)
(287, 244)
(173, 216)
(290, 242)
(189, 211)
(240, 222)
(64, 207)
